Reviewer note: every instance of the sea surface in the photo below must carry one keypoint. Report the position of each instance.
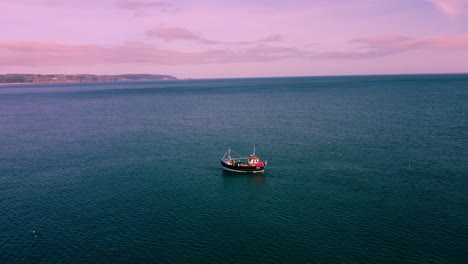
(361, 169)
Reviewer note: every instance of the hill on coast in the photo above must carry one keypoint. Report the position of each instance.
(65, 78)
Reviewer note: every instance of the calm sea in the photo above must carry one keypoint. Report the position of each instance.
(364, 169)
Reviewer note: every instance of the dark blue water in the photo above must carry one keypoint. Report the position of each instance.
(360, 170)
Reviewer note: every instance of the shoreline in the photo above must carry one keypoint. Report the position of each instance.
(30, 83)
(15, 78)
(260, 77)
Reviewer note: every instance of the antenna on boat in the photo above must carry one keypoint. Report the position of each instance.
(254, 151)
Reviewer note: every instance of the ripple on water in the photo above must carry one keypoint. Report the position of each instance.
(361, 170)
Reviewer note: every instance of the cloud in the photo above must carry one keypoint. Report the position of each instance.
(386, 45)
(400, 43)
(272, 38)
(139, 7)
(451, 8)
(32, 53)
(176, 33)
(135, 4)
(38, 54)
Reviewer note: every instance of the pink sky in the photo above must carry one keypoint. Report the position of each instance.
(217, 39)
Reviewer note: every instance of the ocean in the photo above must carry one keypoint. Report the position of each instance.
(361, 169)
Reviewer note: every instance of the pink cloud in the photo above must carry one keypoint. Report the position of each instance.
(443, 42)
(451, 8)
(399, 43)
(32, 53)
(386, 45)
(35, 54)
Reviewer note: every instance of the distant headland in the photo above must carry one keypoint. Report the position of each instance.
(73, 78)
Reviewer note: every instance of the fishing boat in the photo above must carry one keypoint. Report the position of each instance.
(251, 163)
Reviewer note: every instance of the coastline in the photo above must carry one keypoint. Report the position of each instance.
(31, 83)
(13, 83)
(13, 79)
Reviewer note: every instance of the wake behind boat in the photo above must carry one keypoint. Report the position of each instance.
(251, 163)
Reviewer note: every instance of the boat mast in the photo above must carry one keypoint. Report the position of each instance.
(254, 151)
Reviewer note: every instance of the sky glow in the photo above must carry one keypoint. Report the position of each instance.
(217, 39)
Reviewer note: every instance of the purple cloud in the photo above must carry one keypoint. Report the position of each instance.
(136, 4)
(140, 8)
(272, 38)
(176, 33)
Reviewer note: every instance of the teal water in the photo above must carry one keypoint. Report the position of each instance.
(365, 169)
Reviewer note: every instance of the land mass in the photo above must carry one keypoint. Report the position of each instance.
(70, 78)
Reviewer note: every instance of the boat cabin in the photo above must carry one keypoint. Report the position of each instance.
(252, 161)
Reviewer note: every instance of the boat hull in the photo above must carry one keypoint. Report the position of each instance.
(245, 169)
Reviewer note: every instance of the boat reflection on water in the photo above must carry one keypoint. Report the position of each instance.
(257, 179)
